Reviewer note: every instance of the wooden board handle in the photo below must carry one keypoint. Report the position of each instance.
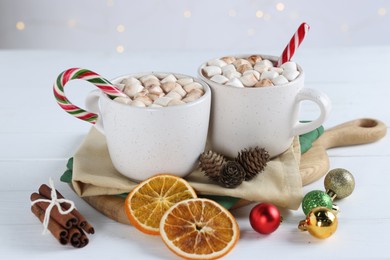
(359, 131)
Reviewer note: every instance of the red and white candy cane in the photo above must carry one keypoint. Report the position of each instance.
(293, 44)
(90, 76)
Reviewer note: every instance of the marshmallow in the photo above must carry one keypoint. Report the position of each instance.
(254, 59)
(123, 100)
(143, 79)
(168, 86)
(276, 69)
(137, 103)
(279, 80)
(160, 76)
(130, 81)
(185, 81)
(290, 74)
(219, 79)
(232, 74)
(244, 67)
(269, 75)
(267, 63)
(248, 80)
(144, 99)
(169, 78)
(264, 83)
(194, 85)
(216, 62)
(228, 68)
(155, 89)
(143, 92)
(239, 62)
(131, 90)
(151, 82)
(235, 82)
(254, 72)
(153, 97)
(175, 102)
(210, 71)
(261, 67)
(174, 95)
(193, 95)
(289, 65)
(162, 101)
(180, 90)
(228, 59)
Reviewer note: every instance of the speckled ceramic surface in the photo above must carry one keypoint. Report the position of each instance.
(145, 141)
(266, 116)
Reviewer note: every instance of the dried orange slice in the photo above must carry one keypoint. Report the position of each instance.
(150, 199)
(199, 229)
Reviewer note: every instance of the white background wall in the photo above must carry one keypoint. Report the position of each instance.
(247, 25)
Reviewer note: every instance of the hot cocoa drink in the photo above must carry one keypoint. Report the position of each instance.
(159, 90)
(252, 71)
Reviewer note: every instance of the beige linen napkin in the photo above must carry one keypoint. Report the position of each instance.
(280, 183)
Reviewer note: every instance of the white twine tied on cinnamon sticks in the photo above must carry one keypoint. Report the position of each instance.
(54, 201)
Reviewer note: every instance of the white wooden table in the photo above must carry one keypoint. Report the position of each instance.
(37, 138)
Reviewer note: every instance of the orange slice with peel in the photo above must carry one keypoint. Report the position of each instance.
(199, 229)
(150, 199)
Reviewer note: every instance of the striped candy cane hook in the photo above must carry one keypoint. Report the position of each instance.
(90, 76)
(293, 44)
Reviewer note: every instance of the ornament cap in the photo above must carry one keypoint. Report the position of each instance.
(302, 225)
(335, 209)
(331, 194)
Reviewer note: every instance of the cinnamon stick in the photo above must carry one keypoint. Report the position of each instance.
(56, 229)
(74, 236)
(77, 237)
(45, 190)
(84, 240)
(67, 221)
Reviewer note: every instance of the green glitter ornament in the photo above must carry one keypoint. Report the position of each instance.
(314, 199)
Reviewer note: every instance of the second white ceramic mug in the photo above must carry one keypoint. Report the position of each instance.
(266, 117)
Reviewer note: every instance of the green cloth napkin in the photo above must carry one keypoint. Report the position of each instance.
(305, 141)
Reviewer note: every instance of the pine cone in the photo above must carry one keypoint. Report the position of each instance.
(253, 161)
(232, 174)
(211, 163)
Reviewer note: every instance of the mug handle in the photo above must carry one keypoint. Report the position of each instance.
(322, 100)
(76, 73)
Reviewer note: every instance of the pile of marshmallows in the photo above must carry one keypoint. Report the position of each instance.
(159, 90)
(253, 71)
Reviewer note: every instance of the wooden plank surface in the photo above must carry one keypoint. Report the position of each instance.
(36, 139)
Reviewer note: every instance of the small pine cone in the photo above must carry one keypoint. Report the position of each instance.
(253, 161)
(211, 163)
(232, 174)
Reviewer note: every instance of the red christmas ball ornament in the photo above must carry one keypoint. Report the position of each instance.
(264, 218)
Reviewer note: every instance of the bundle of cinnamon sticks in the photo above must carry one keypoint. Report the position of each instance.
(68, 228)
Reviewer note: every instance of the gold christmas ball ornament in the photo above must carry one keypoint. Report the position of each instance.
(321, 222)
(339, 183)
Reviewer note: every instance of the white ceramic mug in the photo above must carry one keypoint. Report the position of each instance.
(144, 141)
(265, 116)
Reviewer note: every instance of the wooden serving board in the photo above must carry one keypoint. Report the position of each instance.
(314, 163)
